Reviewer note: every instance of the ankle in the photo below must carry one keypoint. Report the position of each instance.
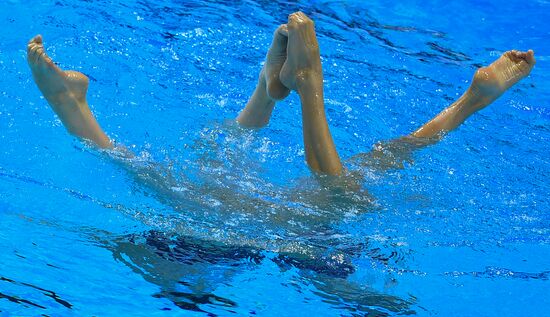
(259, 107)
(472, 101)
(483, 92)
(309, 81)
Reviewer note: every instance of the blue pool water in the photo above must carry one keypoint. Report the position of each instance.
(211, 219)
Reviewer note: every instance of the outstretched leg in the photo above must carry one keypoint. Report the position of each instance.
(488, 84)
(302, 72)
(269, 89)
(65, 91)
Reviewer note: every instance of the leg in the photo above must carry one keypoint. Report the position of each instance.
(488, 84)
(302, 72)
(65, 91)
(269, 89)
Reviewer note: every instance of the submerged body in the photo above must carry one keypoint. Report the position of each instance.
(163, 268)
(292, 64)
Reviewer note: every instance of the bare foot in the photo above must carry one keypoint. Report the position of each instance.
(492, 81)
(65, 91)
(276, 57)
(303, 58)
(56, 85)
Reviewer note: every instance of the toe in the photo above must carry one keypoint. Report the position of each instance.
(511, 55)
(278, 46)
(301, 16)
(520, 56)
(526, 57)
(304, 19)
(30, 49)
(292, 21)
(530, 57)
(38, 53)
(32, 53)
(283, 30)
(297, 18)
(35, 50)
(36, 39)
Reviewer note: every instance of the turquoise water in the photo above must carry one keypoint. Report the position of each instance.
(211, 219)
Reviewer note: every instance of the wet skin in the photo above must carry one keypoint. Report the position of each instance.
(302, 72)
(65, 91)
(292, 64)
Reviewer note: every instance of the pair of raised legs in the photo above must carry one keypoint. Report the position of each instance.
(292, 64)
